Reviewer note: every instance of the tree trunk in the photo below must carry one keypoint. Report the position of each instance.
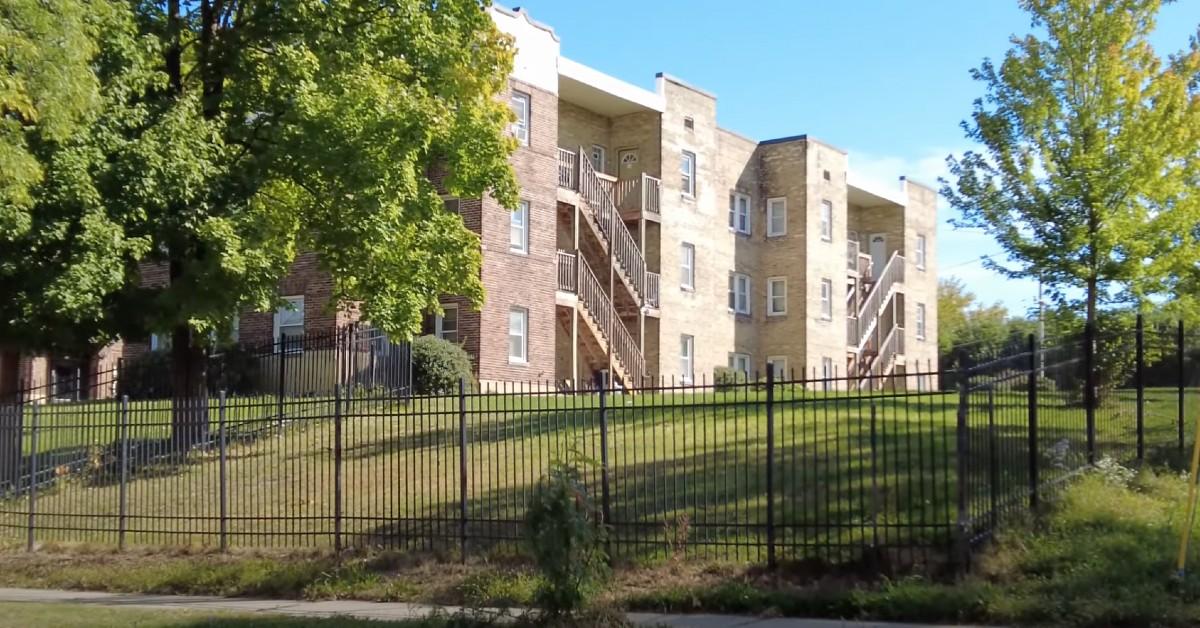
(189, 388)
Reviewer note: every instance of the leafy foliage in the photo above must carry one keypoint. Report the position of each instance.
(970, 331)
(725, 378)
(438, 366)
(1087, 171)
(217, 139)
(566, 538)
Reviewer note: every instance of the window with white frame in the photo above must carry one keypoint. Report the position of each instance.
(740, 362)
(920, 321)
(446, 324)
(826, 220)
(827, 373)
(776, 216)
(739, 212)
(518, 229)
(778, 366)
(687, 266)
(739, 293)
(520, 106)
(289, 323)
(920, 256)
(518, 335)
(827, 299)
(599, 157)
(687, 170)
(776, 296)
(687, 348)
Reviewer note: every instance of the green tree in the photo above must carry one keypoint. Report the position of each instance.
(1088, 157)
(969, 328)
(217, 138)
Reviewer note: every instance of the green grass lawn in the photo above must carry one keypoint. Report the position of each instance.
(688, 471)
(32, 615)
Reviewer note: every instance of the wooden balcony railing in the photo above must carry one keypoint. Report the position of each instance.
(623, 346)
(567, 274)
(568, 169)
(608, 221)
(643, 193)
(652, 280)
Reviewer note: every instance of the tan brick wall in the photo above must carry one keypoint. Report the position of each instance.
(785, 176)
(579, 127)
(920, 286)
(825, 259)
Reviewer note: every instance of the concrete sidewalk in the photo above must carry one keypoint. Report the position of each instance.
(395, 611)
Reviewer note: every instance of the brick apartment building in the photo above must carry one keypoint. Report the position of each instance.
(652, 242)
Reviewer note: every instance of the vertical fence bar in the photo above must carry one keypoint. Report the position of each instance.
(993, 462)
(1032, 409)
(282, 353)
(462, 467)
(33, 472)
(875, 497)
(1089, 392)
(961, 449)
(123, 490)
(1179, 347)
(605, 503)
(223, 453)
(1140, 381)
(337, 467)
(770, 466)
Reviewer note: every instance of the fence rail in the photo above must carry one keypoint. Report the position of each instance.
(910, 472)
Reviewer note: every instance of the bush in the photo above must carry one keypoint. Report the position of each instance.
(438, 365)
(565, 536)
(725, 377)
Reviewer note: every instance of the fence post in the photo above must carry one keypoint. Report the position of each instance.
(33, 471)
(1140, 381)
(1034, 454)
(462, 467)
(993, 463)
(770, 466)
(223, 452)
(282, 382)
(1179, 343)
(1089, 391)
(875, 501)
(605, 504)
(337, 467)
(123, 491)
(962, 450)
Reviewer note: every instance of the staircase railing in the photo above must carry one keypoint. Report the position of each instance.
(652, 281)
(872, 307)
(604, 213)
(568, 169)
(892, 345)
(620, 341)
(568, 275)
(643, 193)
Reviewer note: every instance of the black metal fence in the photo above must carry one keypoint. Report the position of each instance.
(910, 471)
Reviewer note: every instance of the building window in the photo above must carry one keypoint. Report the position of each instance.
(776, 216)
(451, 205)
(289, 324)
(827, 299)
(599, 157)
(826, 220)
(687, 169)
(518, 335)
(920, 251)
(689, 123)
(518, 229)
(920, 321)
(687, 266)
(520, 106)
(739, 212)
(776, 296)
(687, 346)
(160, 342)
(739, 293)
(446, 324)
(827, 373)
(778, 366)
(740, 362)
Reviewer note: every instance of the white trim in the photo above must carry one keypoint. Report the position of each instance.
(686, 282)
(592, 77)
(690, 189)
(286, 316)
(687, 358)
(826, 299)
(523, 334)
(825, 222)
(439, 328)
(921, 252)
(739, 208)
(746, 363)
(782, 372)
(599, 167)
(772, 281)
(739, 293)
(782, 200)
(522, 246)
(521, 128)
(920, 319)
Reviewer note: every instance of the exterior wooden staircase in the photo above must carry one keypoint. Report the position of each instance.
(601, 319)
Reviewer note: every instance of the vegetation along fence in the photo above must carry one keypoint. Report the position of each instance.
(910, 471)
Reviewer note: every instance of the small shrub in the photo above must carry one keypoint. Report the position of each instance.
(438, 365)
(566, 538)
(725, 378)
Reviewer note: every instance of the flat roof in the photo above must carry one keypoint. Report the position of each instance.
(603, 93)
(870, 193)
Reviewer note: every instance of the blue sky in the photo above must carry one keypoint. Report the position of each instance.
(884, 79)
